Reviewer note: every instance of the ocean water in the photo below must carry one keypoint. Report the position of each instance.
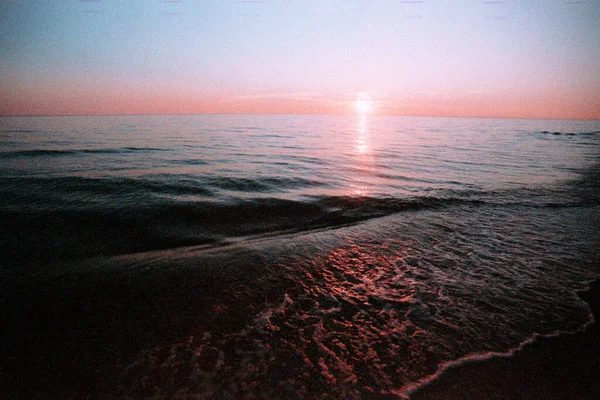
(287, 256)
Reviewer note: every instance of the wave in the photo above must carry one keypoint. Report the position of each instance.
(148, 189)
(557, 133)
(57, 153)
(56, 218)
(248, 193)
(562, 350)
(54, 233)
(592, 133)
(18, 131)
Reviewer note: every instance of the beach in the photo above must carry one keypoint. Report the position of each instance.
(75, 336)
(558, 367)
(298, 257)
(305, 200)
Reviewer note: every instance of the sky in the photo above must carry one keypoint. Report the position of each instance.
(507, 59)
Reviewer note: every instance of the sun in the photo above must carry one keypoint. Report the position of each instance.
(363, 104)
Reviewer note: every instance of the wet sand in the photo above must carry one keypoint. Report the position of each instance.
(72, 335)
(559, 367)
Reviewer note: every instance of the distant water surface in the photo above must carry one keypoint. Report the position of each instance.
(386, 246)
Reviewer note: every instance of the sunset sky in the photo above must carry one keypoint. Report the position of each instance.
(522, 59)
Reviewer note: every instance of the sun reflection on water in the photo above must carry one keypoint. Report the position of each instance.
(362, 145)
(363, 159)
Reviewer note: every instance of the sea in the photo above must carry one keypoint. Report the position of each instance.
(285, 256)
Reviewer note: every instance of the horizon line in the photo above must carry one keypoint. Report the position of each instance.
(307, 114)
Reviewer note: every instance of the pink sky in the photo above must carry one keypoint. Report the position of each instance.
(473, 59)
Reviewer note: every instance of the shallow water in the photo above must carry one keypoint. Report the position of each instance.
(116, 185)
(329, 255)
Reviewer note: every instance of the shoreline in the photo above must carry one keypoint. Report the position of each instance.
(564, 366)
(87, 316)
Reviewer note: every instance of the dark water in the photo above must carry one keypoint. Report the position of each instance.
(302, 255)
